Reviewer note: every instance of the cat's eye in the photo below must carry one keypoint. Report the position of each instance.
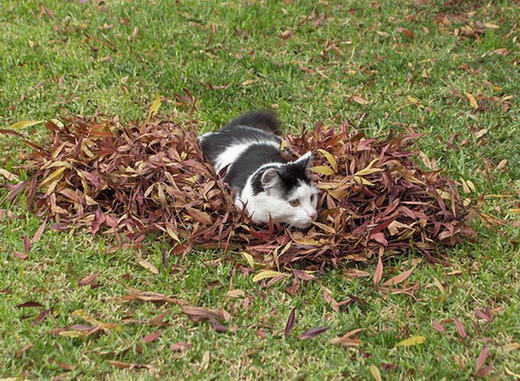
(313, 198)
(294, 203)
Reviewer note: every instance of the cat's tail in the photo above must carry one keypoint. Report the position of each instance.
(264, 120)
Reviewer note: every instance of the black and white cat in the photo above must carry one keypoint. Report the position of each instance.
(266, 184)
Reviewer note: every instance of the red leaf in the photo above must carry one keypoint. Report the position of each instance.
(152, 337)
(20, 255)
(438, 326)
(41, 317)
(289, 326)
(484, 316)
(313, 332)
(460, 328)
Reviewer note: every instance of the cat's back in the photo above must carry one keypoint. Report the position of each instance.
(252, 128)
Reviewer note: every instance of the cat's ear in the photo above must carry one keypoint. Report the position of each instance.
(270, 178)
(305, 160)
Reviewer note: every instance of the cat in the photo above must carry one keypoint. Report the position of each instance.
(248, 150)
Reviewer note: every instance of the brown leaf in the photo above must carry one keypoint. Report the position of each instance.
(378, 273)
(180, 346)
(407, 32)
(398, 278)
(303, 275)
(88, 280)
(20, 352)
(30, 303)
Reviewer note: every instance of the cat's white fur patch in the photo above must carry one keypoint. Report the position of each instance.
(263, 205)
(233, 152)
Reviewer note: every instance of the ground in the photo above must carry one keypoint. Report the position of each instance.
(447, 69)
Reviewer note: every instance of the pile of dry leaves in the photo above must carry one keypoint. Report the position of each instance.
(129, 180)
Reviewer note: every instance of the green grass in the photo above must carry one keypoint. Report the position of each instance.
(84, 58)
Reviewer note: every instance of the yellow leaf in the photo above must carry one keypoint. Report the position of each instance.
(266, 274)
(414, 340)
(322, 170)
(74, 334)
(511, 373)
(172, 234)
(490, 25)
(8, 175)
(249, 259)
(360, 100)
(25, 123)
(248, 82)
(154, 107)
(440, 287)
(375, 373)
(365, 171)
(472, 100)
(236, 293)
(54, 176)
(415, 101)
(330, 159)
(511, 347)
(283, 145)
(147, 265)
(361, 180)
(89, 319)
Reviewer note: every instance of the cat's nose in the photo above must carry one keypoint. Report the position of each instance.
(313, 215)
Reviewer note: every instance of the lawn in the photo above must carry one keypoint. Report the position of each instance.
(446, 69)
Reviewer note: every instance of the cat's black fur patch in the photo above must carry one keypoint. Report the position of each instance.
(264, 120)
(249, 161)
(214, 144)
(290, 174)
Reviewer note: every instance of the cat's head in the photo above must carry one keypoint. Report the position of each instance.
(286, 193)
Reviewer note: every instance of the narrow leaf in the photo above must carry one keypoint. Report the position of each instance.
(289, 326)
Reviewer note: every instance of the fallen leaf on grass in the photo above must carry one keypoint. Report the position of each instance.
(511, 347)
(378, 273)
(147, 265)
(88, 280)
(152, 337)
(480, 369)
(20, 352)
(199, 314)
(460, 328)
(180, 346)
(375, 373)
(25, 124)
(41, 317)
(30, 303)
(289, 326)
(414, 340)
(266, 274)
(312, 333)
(124, 365)
(349, 339)
(398, 278)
